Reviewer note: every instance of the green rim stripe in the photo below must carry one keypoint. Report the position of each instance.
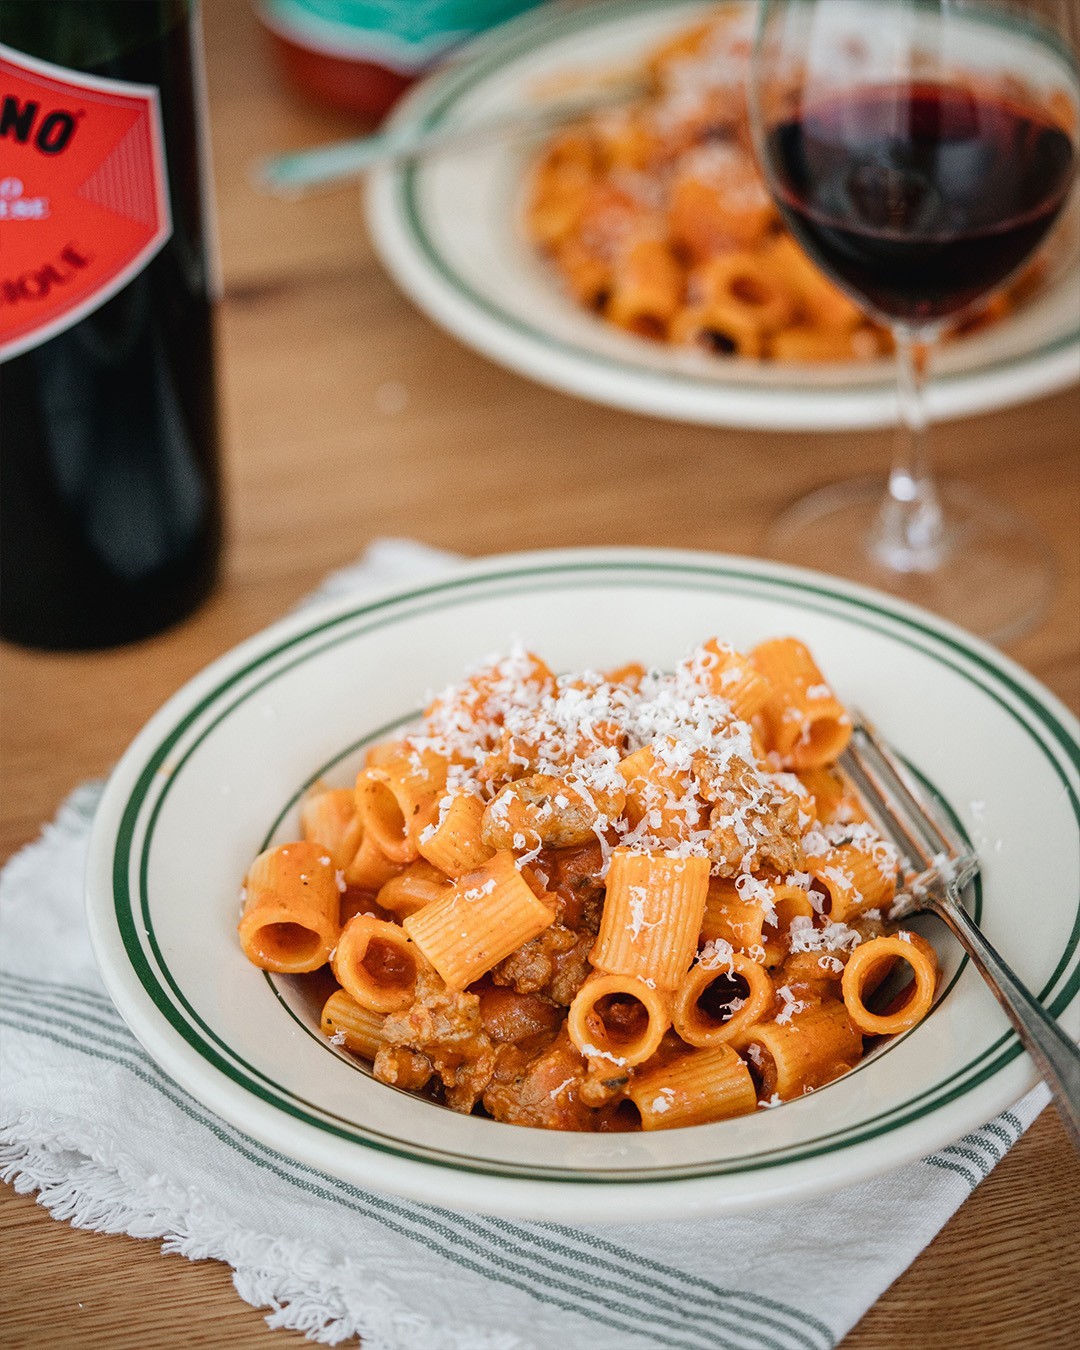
(524, 35)
(714, 573)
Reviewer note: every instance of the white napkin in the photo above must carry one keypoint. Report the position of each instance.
(110, 1142)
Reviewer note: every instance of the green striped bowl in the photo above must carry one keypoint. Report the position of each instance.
(220, 769)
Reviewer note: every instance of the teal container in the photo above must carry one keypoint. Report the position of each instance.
(361, 55)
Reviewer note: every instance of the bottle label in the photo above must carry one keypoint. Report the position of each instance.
(84, 201)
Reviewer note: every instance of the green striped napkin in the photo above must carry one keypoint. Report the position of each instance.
(110, 1142)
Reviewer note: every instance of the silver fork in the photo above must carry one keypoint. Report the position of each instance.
(941, 866)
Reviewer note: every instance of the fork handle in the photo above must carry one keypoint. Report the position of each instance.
(291, 175)
(1056, 1057)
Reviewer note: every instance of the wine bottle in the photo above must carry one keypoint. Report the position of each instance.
(110, 508)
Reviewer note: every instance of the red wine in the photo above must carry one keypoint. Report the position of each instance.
(109, 487)
(919, 198)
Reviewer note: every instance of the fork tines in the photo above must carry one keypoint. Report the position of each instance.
(903, 809)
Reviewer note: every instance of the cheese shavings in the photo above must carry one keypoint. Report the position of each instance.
(662, 1101)
(792, 1005)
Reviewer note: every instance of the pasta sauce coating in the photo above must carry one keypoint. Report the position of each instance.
(631, 907)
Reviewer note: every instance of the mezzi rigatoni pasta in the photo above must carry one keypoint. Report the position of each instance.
(640, 900)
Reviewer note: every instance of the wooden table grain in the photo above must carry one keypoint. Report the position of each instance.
(349, 416)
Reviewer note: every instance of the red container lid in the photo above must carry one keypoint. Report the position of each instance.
(344, 82)
(361, 56)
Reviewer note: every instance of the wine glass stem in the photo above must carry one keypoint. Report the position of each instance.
(909, 533)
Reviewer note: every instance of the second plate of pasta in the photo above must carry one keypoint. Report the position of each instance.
(456, 233)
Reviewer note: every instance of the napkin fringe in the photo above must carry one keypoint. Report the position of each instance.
(305, 1290)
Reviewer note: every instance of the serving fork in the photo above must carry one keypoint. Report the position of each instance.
(938, 865)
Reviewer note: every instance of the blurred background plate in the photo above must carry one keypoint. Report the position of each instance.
(449, 230)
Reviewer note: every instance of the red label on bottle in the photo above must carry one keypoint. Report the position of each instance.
(84, 201)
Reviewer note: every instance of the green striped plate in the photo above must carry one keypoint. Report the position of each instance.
(220, 768)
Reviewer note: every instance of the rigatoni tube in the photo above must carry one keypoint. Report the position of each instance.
(329, 818)
(805, 722)
(807, 1044)
(852, 880)
(618, 1018)
(356, 1029)
(376, 964)
(487, 915)
(733, 677)
(719, 1000)
(452, 842)
(290, 918)
(395, 797)
(860, 978)
(700, 1087)
(652, 916)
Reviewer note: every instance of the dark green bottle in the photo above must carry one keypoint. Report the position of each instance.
(110, 507)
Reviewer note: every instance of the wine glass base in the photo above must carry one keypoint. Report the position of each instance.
(994, 578)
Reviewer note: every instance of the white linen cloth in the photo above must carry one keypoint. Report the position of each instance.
(110, 1142)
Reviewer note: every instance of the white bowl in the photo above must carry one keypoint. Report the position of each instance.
(219, 770)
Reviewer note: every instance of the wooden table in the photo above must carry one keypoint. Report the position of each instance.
(349, 416)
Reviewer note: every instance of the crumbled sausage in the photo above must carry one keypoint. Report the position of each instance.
(545, 1092)
(542, 809)
(446, 1027)
(752, 824)
(554, 964)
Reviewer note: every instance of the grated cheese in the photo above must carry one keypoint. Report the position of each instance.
(593, 1052)
(792, 1005)
(662, 1101)
(716, 954)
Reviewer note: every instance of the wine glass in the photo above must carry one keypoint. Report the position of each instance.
(919, 150)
